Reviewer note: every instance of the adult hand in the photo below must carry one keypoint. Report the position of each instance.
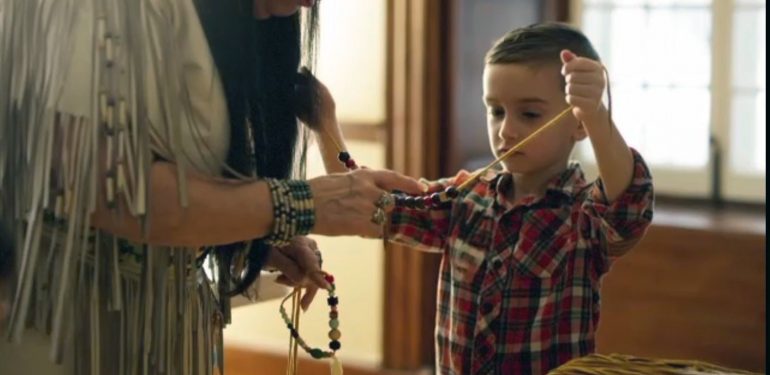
(345, 203)
(300, 267)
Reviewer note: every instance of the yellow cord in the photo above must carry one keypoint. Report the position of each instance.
(513, 149)
(508, 153)
(337, 145)
(291, 367)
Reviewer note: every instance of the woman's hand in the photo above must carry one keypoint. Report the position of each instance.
(300, 267)
(345, 203)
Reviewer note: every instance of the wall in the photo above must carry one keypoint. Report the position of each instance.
(694, 288)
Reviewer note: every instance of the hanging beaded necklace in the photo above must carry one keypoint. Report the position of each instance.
(292, 323)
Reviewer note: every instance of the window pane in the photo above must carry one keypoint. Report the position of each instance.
(677, 48)
(669, 126)
(650, 2)
(747, 135)
(625, 59)
(749, 48)
(658, 55)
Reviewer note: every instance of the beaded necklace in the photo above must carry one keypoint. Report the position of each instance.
(293, 325)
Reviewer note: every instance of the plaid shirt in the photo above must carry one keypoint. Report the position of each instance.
(519, 286)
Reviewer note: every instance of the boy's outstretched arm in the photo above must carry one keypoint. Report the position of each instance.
(585, 84)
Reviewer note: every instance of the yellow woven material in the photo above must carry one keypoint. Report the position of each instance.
(619, 364)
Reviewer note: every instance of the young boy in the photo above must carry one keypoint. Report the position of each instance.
(524, 248)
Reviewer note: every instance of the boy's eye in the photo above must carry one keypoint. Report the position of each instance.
(496, 112)
(530, 115)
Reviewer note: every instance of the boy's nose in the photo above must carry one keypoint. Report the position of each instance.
(509, 131)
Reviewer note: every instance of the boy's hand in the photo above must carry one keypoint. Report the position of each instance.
(584, 85)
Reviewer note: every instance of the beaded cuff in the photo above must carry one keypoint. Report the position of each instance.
(293, 210)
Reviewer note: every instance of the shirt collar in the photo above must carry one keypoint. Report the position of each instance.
(566, 183)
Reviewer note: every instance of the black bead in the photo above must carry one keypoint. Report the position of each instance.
(487, 308)
(411, 202)
(419, 203)
(436, 198)
(335, 345)
(332, 301)
(400, 200)
(343, 156)
(452, 192)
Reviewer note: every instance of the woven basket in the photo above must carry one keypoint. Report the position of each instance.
(618, 364)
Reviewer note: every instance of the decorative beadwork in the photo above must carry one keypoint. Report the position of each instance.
(334, 324)
(293, 212)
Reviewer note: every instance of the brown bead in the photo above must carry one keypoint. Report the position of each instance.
(335, 334)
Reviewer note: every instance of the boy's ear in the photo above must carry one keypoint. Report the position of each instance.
(580, 132)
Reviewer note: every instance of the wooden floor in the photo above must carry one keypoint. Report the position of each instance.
(247, 362)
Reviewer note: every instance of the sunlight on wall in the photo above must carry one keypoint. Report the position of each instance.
(352, 57)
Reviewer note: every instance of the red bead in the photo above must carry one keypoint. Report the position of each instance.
(329, 278)
(350, 164)
(427, 201)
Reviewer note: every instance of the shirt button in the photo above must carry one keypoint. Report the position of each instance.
(487, 307)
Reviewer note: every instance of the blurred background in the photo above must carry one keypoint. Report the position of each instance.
(688, 87)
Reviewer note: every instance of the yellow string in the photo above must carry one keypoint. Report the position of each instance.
(513, 149)
(337, 145)
(291, 366)
(510, 152)
(618, 364)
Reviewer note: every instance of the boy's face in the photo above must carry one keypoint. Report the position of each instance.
(519, 99)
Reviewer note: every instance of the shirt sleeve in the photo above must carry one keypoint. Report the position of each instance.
(425, 229)
(623, 222)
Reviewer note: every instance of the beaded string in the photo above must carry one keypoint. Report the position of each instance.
(440, 198)
(296, 340)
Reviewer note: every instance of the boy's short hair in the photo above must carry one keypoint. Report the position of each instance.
(540, 43)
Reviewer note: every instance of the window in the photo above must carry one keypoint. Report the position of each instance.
(688, 85)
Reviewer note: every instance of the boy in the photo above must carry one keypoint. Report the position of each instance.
(524, 249)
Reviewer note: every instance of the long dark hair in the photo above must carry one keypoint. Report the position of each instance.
(7, 262)
(257, 61)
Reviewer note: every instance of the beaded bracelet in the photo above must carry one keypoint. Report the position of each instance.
(293, 211)
(334, 324)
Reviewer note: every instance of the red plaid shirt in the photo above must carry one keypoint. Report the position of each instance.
(519, 286)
